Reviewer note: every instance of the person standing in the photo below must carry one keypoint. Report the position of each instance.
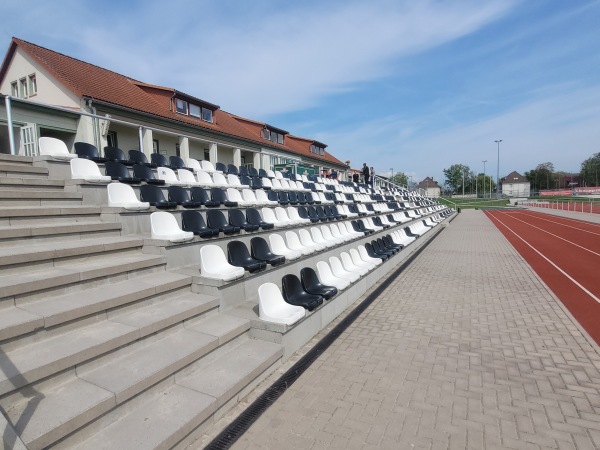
(366, 173)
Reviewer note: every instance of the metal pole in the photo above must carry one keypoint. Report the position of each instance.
(141, 139)
(11, 134)
(498, 171)
(483, 190)
(463, 184)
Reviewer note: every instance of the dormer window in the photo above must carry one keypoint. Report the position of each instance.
(273, 136)
(317, 149)
(200, 112)
(181, 106)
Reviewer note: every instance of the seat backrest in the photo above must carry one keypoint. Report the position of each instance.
(233, 179)
(305, 237)
(266, 183)
(151, 193)
(176, 162)
(260, 248)
(164, 173)
(219, 178)
(162, 223)
(192, 220)
(237, 253)
(120, 193)
(291, 286)
(84, 168)
(114, 154)
(178, 194)
(232, 168)
(52, 147)
(193, 164)
(215, 219)
(293, 241)
(309, 278)
(278, 244)
(143, 172)
(262, 173)
(253, 216)
(199, 194)
(85, 150)
(249, 196)
(186, 176)
(281, 214)
(292, 213)
(204, 178)
(116, 170)
(137, 156)
(159, 160)
(236, 218)
(268, 215)
(207, 165)
(243, 170)
(222, 167)
(212, 259)
(218, 195)
(317, 235)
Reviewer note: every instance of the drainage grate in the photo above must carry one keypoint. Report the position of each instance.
(240, 425)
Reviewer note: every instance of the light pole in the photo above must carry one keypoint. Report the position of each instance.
(463, 183)
(410, 186)
(483, 190)
(498, 170)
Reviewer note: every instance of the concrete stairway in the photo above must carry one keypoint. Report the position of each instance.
(100, 346)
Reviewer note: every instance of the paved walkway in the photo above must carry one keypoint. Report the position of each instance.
(466, 349)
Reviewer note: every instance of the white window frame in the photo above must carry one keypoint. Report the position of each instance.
(208, 111)
(23, 90)
(32, 81)
(14, 88)
(183, 102)
(193, 114)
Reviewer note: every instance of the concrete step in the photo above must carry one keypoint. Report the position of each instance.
(51, 311)
(15, 159)
(107, 382)
(40, 233)
(62, 250)
(19, 215)
(30, 197)
(45, 357)
(164, 417)
(31, 183)
(21, 170)
(72, 277)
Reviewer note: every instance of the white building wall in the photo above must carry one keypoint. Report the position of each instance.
(516, 189)
(49, 90)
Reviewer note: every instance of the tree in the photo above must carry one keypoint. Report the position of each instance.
(400, 179)
(590, 171)
(542, 177)
(455, 175)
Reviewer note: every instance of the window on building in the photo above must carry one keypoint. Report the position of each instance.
(207, 115)
(14, 89)
(23, 88)
(32, 84)
(273, 136)
(111, 139)
(195, 110)
(155, 146)
(317, 149)
(181, 106)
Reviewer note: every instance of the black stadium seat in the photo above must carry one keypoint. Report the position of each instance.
(238, 219)
(177, 163)
(120, 172)
(216, 219)
(88, 151)
(292, 291)
(137, 157)
(253, 217)
(180, 196)
(243, 170)
(374, 254)
(218, 195)
(159, 160)
(261, 251)
(238, 255)
(154, 195)
(312, 285)
(303, 213)
(194, 222)
(116, 154)
(201, 195)
(232, 168)
(220, 166)
(145, 173)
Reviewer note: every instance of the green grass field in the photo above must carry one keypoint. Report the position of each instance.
(472, 203)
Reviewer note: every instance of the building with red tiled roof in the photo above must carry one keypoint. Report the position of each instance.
(515, 185)
(139, 115)
(431, 187)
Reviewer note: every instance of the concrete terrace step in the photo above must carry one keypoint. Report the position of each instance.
(46, 357)
(52, 311)
(16, 215)
(19, 170)
(30, 183)
(76, 272)
(30, 197)
(40, 232)
(23, 254)
(109, 381)
(16, 159)
(168, 416)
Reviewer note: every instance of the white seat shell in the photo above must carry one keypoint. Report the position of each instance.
(164, 226)
(56, 148)
(122, 195)
(214, 264)
(85, 169)
(273, 308)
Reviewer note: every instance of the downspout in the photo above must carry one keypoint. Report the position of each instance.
(11, 135)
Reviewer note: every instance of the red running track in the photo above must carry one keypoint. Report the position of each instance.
(565, 253)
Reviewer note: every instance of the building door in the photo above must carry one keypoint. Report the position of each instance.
(28, 140)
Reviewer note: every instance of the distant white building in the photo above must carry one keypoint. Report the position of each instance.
(431, 187)
(515, 185)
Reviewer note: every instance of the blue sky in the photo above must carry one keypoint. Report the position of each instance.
(413, 86)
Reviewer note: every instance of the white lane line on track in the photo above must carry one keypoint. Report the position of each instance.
(556, 236)
(558, 223)
(574, 281)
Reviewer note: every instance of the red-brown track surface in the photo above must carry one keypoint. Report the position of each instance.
(565, 253)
